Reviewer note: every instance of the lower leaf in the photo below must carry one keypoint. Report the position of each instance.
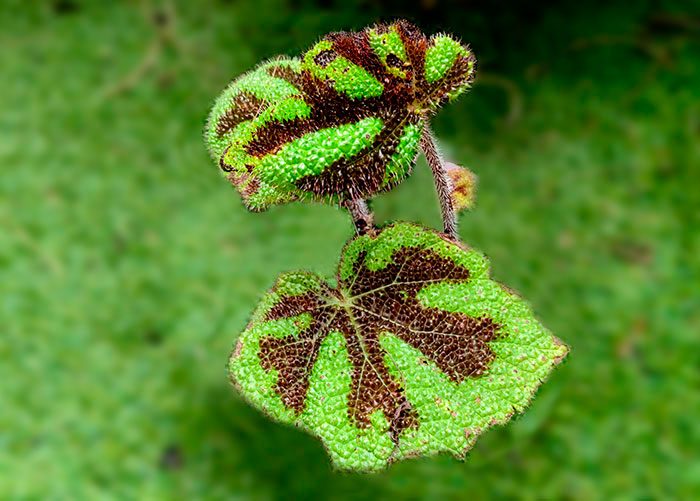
(416, 351)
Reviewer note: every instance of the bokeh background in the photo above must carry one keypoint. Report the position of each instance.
(128, 266)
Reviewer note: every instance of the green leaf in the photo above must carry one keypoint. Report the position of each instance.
(416, 351)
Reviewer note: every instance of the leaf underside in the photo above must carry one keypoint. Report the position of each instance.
(416, 350)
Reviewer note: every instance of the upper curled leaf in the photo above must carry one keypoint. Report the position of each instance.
(416, 351)
(341, 122)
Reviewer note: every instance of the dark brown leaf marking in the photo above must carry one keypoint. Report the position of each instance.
(285, 73)
(376, 302)
(244, 106)
(324, 58)
(294, 356)
(415, 44)
(372, 386)
(457, 343)
(393, 61)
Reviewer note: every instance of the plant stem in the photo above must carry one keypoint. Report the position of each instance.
(361, 215)
(442, 181)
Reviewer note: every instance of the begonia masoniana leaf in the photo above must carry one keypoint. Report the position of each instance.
(416, 350)
(342, 122)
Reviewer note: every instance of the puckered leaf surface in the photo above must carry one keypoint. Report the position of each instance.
(416, 350)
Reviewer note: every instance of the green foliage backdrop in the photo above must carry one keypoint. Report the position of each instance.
(128, 266)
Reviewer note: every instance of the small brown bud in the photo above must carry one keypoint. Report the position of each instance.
(463, 186)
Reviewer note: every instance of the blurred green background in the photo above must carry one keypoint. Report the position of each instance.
(128, 266)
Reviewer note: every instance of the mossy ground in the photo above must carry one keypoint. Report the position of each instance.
(128, 265)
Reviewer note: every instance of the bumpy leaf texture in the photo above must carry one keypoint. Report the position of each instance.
(415, 351)
(341, 122)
